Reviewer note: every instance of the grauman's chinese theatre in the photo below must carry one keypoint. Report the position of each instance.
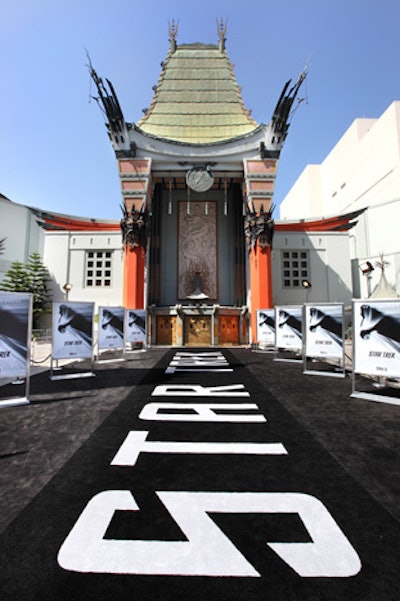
(197, 176)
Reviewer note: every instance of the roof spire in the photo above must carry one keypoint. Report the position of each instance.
(173, 32)
(221, 29)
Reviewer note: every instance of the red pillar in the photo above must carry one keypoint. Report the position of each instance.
(134, 269)
(260, 283)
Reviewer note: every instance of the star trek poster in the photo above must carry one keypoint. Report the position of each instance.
(324, 330)
(111, 327)
(266, 326)
(289, 327)
(15, 333)
(376, 337)
(72, 330)
(135, 325)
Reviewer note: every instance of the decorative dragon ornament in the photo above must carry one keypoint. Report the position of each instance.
(259, 228)
(135, 228)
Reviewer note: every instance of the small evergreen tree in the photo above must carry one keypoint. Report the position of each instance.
(31, 277)
(38, 279)
(16, 278)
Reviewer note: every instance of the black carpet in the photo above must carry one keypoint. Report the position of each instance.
(287, 524)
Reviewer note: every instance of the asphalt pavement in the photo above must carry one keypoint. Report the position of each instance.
(347, 449)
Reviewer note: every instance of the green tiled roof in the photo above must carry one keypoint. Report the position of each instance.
(197, 99)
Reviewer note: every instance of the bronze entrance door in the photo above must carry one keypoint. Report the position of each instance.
(197, 330)
(228, 332)
(166, 330)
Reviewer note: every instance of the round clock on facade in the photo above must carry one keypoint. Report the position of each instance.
(199, 179)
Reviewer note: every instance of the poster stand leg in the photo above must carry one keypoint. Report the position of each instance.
(14, 402)
(134, 351)
(286, 359)
(21, 400)
(113, 359)
(263, 348)
(336, 372)
(71, 376)
(369, 396)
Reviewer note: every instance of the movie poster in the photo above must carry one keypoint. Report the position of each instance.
(111, 327)
(266, 326)
(288, 321)
(135, 325)
(323, 330)
(376, 337)
(72, 330)
(15, 333)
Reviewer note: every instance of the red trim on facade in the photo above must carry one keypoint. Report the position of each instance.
(331, 224)
(337, 223)
(71, 224)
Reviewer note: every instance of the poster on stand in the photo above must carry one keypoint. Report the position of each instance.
(111, 327)
(266, 326)
(72, 330)
(288, 321)
(376, 337)
(15, 333)
(323, 330)
(135, 325)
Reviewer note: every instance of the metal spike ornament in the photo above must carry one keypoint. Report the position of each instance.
(135, 228)
(259, 229)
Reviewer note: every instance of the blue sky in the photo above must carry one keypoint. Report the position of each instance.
(54, 150)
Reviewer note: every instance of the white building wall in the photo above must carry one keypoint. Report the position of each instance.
(18, 225)
(329, 268)
(361, 172)
(305, 198)
(65, 255)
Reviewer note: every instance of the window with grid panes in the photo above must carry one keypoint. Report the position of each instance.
(295, 267)
(98, 268)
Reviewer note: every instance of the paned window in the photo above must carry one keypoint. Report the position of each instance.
(295, 268)
(98, 268)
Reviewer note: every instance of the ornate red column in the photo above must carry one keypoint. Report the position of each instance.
(134, 271)
(260, 283)
(259, 182)
(135, 177)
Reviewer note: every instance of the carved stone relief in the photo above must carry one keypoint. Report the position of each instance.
(197, 250)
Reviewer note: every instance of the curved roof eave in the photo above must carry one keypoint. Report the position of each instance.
(336, 223)
(239, 138)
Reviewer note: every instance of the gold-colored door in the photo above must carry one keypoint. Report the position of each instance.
(228, 329)
(197, 330)
(166, 330)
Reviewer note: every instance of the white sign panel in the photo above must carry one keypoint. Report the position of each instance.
(288, 321)
(135, 325)
(376, 332)
(72, 330)
(15, 331)
(323, 330)
(111, 327)
(266, 326)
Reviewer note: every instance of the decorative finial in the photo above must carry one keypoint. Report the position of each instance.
(221, 28)
(382, 263)
(173, 32)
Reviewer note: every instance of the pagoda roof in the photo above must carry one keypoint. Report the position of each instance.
(336, 223)
(197, 99)
(61, 222)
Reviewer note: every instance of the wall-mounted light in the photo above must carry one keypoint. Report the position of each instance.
(366, 268)
(67, 287)
(306, 284)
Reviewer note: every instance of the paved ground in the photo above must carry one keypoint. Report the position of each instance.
(38, 439)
